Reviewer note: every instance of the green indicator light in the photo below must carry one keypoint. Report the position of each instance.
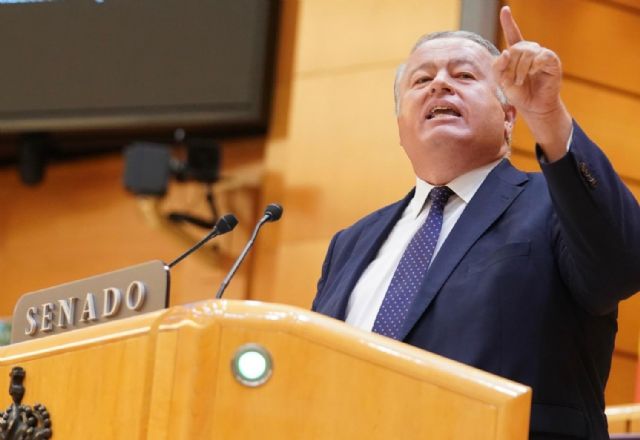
(251, 365)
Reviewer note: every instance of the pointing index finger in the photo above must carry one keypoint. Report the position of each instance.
(510, 28)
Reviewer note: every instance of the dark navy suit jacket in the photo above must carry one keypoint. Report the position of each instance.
(526, 285)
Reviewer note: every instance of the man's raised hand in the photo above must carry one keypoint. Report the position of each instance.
(530, 76)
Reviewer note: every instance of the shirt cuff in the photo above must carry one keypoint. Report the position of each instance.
(543, 159)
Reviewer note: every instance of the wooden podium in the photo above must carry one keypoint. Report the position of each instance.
(167, 375)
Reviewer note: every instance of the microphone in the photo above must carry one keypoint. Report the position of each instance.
(224, 224)
(272, 213)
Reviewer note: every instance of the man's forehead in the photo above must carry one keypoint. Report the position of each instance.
(450, 49)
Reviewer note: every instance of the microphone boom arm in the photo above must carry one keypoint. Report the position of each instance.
(241, 257)
(272, 213)
(225, 224)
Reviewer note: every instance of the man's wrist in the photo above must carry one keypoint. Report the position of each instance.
(551, 131)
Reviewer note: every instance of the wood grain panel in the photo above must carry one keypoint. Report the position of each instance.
(80, 222)
(344, 159)
(167, 375)
(190, 339)
(629, 322)
(364, 378)
(336, 34)
(596, 41)
(623, 418)
(299, 268)
(74, 375)
(619, 388)
(634, 5)
(525, 161)
(609, 118)
(334, 366)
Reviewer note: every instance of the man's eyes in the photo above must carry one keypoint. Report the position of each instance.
(459, 75)
(466, 75)
(421, 80)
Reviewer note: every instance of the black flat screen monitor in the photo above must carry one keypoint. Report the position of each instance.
(78, 65)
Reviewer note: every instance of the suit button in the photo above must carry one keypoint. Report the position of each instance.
(587, 176)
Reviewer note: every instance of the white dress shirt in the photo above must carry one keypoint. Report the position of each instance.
(366, 297)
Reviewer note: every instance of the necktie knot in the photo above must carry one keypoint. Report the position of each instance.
(440, 195)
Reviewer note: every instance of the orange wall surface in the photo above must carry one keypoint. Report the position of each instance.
(80, 221)
(331, 156)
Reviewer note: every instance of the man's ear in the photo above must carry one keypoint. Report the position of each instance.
(509, 121)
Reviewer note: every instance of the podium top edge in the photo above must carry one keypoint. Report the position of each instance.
(305, 324)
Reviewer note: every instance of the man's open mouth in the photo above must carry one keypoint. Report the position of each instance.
(442, 111)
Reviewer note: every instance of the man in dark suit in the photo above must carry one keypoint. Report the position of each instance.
(518, 274)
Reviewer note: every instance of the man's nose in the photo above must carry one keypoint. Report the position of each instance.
(441, 84)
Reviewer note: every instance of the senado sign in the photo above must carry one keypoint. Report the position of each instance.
(120, 294)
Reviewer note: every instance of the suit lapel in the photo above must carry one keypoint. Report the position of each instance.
(494, 196)
(365, 250)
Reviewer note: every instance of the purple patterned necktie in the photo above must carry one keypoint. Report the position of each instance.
(412, 268)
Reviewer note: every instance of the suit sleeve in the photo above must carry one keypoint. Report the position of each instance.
(596, 232)
(326, 265)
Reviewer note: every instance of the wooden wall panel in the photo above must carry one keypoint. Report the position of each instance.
(621, 379)
(596, 40)
(81, 222)
(629, 322)
(634, 5)
(334, 154)
(345, 148)
(609, 118)
(335, 34)
(524, 160)
(298, 268)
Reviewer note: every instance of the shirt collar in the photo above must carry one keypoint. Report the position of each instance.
(464, 186)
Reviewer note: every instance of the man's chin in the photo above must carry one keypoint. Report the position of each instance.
(446, 135)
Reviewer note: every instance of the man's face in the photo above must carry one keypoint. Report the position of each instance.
(450, 115)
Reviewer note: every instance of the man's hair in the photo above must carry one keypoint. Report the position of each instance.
(472, 36)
